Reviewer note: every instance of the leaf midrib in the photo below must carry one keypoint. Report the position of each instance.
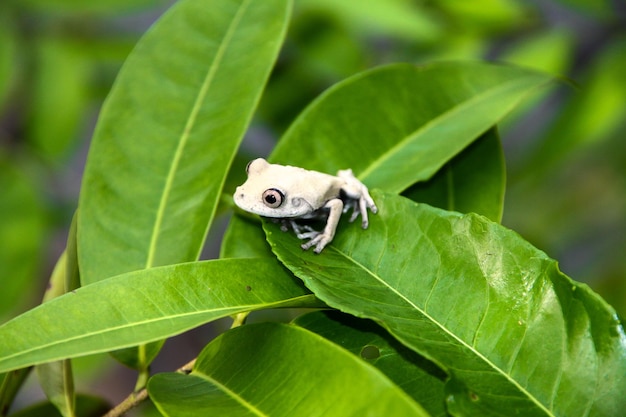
(108, 330)
(438, 120)
(230, 393)
(443, 328)
(191, 120)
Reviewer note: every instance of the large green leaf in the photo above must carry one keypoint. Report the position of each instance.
(168, 132)
(274, 369)
(516, 335)
(143, 306)
(399, 124)
(472, 182)
(419, 378)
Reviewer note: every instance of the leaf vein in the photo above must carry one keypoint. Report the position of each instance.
(191, 120)
(445, 330)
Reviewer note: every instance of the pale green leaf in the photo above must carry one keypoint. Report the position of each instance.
(399, 124)
(515, 335)
(302, 375)
(145, 306)
(168, 133)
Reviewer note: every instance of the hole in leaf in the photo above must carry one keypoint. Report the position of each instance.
(370, 352)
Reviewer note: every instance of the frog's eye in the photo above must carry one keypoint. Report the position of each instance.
(273, 198)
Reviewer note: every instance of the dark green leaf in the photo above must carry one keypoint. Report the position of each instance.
(168, 133)
(472, 182)
(144, 306)
(515, 334)
(244, 238)
(274, 369)
(10, 384)
(418, 377)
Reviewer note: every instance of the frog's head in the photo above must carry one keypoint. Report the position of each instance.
(269, 192)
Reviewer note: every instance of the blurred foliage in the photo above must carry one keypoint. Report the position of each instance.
(566, 152)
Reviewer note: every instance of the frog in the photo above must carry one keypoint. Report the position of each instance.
(292, 196)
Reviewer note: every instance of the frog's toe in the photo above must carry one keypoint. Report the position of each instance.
(308, 235)
(320, 241)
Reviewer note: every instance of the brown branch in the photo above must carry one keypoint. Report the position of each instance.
(136, 398)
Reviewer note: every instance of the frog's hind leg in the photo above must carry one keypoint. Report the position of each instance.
(357, 195)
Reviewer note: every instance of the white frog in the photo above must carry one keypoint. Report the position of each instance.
(289, 193)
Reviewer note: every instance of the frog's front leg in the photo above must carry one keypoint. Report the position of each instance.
(325, 237)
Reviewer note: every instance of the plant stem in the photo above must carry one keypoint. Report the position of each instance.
(141, 395)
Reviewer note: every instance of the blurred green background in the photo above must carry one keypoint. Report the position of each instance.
(565, 148)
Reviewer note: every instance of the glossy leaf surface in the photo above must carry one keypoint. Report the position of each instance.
(418, 377)
(514, 333)
(302, 375)
(168, 132)
(145, 306)
(399, 124)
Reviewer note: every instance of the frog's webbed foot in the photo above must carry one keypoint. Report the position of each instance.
(358, 197)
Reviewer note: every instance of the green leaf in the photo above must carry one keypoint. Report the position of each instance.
(168, 133)
(244, 238)
(144, 306)
(61, 81)
(80, 7)
(302, 375)
(86, 406)
(472, 182)
(8, 54)
(550, 51)
(418, 377)
(398, 18)
(399, 124)
(10, 384)
(515, 334)
(56, 378)
(594, 114)
(22, 224)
